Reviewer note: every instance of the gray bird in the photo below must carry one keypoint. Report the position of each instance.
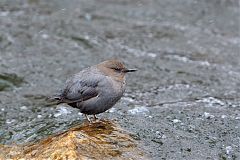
(95, 89)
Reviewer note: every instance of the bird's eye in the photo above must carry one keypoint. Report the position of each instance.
(117, 69)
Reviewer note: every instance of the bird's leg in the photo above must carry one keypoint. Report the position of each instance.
(95, 117)
(89, 120)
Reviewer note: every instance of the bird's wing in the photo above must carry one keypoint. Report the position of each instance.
(80, 88)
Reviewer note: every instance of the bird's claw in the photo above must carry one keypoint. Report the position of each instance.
(89, 120)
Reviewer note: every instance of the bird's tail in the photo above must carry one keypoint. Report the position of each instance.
(55, 100)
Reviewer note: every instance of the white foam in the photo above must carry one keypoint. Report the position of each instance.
(229, 150)
(176, 121)
(138, 110)
(208, 115)
(223, 116)
(62, 111)
(23, 108)
(9, 121)
(45, 36)
(153, 55)
(111, 110)
(164, 136)
(211, 101)
(4, 13)
(128, 99)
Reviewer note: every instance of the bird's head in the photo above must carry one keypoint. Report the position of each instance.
(114, 68)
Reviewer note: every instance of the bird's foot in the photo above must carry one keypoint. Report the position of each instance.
(95, 117)
(89, 120)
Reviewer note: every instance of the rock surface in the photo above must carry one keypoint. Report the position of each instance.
(99, 140)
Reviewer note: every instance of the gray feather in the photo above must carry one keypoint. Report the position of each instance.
(79, 88)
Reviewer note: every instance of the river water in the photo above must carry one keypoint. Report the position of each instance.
(184, 101)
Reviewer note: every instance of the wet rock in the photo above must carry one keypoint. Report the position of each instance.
(100, 140)
(9, 80)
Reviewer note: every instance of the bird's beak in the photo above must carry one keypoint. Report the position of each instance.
(130, 70)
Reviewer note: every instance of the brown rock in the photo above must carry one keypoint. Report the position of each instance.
(99, 140)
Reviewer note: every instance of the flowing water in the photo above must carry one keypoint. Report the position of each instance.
(184, 101)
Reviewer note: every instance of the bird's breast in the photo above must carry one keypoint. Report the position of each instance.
(111, 89)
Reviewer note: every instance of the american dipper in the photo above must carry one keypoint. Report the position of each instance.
(95, 89)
